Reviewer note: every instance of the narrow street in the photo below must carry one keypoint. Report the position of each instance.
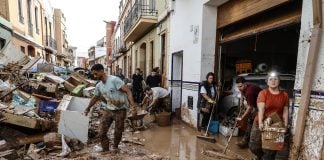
(161, 79)
(177, 141)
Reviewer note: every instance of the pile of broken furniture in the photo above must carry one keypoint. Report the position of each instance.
(34, 106)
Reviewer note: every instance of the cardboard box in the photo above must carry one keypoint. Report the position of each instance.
(227, 131)
(273, 138)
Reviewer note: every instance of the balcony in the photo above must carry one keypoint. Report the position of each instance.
(50, 44)
(139, 20)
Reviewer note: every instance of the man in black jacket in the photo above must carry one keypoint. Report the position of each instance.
(153, 80)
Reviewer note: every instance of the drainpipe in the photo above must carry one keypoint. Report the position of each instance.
(308, 79)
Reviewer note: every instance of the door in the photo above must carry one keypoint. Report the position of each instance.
(176, 79)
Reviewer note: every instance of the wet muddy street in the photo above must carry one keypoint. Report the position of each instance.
(174, 142)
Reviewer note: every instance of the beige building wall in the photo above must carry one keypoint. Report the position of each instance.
(4, 9)
(22, 22)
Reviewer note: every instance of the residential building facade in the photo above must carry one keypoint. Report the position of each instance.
(141, 37)
(110, 27)
(50, 45)
(82, 62)
(61, 38)
(38, 30)
(26, 19)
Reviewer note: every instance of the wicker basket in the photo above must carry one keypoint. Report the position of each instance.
(273, 138)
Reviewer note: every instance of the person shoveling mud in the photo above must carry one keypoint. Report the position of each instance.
(118, 98)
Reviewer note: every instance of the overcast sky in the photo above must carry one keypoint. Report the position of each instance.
(85, 20)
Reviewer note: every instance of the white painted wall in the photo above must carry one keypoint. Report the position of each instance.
(193, 31)
(313, 135)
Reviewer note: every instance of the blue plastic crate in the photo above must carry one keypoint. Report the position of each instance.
(47, 106)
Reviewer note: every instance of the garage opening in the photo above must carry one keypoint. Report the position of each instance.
(272, 50)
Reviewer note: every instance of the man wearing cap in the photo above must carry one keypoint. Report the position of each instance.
(249, 95)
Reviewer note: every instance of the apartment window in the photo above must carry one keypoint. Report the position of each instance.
(20, 12)
(2, 43)
(30, 25)
(36, 20)
(162, 52)
(22, 48)
(152, 54)
(152, 4)
(50, 29)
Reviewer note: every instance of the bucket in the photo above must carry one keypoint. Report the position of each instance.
(163, 119)
(213, 126)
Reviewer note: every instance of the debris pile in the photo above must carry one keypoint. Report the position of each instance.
(41, 116)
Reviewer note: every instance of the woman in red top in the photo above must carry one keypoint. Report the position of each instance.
(270, 100)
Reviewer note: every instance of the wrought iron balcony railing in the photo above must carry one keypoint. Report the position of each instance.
(140, 9)
(50, 42)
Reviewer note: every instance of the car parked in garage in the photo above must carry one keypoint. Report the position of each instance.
(231, 95)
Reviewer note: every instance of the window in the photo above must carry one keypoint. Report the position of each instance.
(20, 13)
(30, 24)
(22, 48)
(50, 29)
(36, 20)
(2, 43)
(163, 49)
(152, 4)
(152, 54)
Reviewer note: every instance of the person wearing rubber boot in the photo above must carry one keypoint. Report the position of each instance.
(117, 97)
(208, 92)
(249, 95)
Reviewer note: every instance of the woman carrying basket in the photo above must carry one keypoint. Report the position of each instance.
(271, 100)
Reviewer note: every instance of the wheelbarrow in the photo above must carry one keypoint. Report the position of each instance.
(136, 122)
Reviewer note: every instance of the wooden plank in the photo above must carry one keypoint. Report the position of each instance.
(20, 120)
(266, 24)
(64, 102)
(237, 10)
(310, 70)
(29, 65)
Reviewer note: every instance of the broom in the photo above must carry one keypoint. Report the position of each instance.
(205, 136)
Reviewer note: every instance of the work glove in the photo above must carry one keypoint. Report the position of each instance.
(211, 101)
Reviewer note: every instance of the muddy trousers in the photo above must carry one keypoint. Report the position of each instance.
(255, 145)
(249, 124)
(107, 119)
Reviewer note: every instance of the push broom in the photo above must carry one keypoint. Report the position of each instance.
(205, 136)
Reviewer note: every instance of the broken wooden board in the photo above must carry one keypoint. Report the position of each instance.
(21, 120)
(24, 121)
(29, 65)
